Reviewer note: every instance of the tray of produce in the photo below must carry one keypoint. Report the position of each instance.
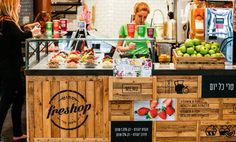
(195, 54)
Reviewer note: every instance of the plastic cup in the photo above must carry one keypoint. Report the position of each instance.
(150, 32)
(63, 25)
(141, 30)
(81, 25)
(49, 29)
(131, 30)
(56, 25)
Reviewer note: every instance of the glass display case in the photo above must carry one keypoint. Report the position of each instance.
(78, 53)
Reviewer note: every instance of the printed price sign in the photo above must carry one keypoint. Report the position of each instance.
(131, 131)
(218, 87)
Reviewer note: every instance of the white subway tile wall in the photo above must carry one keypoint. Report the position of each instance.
(111, 14)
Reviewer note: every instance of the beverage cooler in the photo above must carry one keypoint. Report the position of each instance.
(219, 27)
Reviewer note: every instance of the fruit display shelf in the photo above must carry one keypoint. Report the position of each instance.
(198, 62)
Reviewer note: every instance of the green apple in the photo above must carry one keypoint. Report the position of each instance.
(207, 55)
(190, 50)
(208, 45)
(203, 43)
(195, 52)
(177, 49)
(183, 49)
(218, 54)
(196, 41)
(204, 50)
(211, 51)
(193, 55)
(216, 44)
(198, 47)
(189, 43)
(179, 53)
(213, 55)
(199, 55)
(186, 55)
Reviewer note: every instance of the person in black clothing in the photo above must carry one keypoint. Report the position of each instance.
(11, 61)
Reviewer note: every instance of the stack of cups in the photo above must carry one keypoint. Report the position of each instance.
(63, 26)
(131, 30)
(56, 28)
(49, 29)
(141, 31)
(150, 32)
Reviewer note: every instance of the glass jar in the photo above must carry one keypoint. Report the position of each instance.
(164, 52)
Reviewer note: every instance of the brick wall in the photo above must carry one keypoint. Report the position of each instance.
(26, 14)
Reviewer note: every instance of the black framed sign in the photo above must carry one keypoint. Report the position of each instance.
(218, 86)
(131, 131)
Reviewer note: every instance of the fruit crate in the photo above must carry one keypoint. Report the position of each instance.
(198, 62)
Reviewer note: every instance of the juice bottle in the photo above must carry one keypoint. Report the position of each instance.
(198, 20)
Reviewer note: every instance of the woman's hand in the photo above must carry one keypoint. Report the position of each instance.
(132, 46)
(36, 32)
(32, 25)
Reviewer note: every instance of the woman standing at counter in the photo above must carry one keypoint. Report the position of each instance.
(10, 64)
(141, 11)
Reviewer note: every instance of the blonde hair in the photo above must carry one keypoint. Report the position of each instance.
(9, 8)
(141, 6)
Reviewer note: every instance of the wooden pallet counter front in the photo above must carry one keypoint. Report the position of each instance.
(67, 108)
(83, 109)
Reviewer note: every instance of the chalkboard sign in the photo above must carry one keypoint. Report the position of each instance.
(218, 87)
(131, 131)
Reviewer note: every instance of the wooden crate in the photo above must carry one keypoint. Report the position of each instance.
(176, 131)
(70, 140)
(48, 99)
(217, 131)
(198, 109)
(121, 111)
(179, 86)
(229, 109)
(198, 62)
(130, 88)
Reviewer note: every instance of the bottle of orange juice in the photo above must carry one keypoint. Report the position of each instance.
(197, 19)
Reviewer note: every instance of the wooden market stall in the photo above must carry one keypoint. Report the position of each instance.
(77, 107)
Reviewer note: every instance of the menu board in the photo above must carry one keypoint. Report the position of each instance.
(218, 87)
(131, 131)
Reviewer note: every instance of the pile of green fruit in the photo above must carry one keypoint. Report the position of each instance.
(197, 48)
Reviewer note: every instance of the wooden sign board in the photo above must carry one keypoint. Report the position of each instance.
(129, 88)
(218, 131)
(198, 109)
(178, 86)
(175, 131)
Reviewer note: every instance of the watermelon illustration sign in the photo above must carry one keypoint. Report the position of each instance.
(68, 110)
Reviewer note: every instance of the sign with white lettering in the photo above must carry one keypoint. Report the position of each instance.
(131, 131)
(218, 87)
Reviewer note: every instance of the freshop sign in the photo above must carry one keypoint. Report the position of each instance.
(68, 110)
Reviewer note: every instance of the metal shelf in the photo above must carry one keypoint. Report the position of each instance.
(66, 3)
(69, 8)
